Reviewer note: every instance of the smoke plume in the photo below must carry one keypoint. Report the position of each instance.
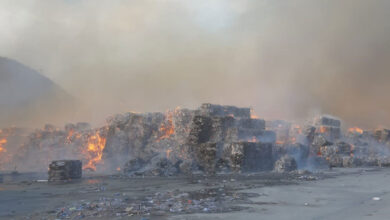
(286, 59)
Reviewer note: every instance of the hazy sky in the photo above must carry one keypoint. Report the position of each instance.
(286, 59)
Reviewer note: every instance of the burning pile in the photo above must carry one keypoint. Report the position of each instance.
(210, 139)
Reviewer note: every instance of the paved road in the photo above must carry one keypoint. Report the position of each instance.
(348, 196)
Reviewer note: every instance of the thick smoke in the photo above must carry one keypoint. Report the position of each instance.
(285, 59)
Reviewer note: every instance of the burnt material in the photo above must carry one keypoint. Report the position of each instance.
(250, 156)
(224, 110)
(206, 156)
(65, 170)
(327, 121)
(285, 164)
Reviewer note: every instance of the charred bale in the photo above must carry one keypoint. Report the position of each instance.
(206, 157)
(250, 156)
(327, 121)
(201, 130)
(133, 135)
(161, 166)
(309, 133)
(344, 148)
(65, 170)
(285, 164)
(223, 110)
(250, 128)
(384, 162)
(335, 161)
(328, 126)
(281, 129)
(349, 161)
(134, 165)
(382, 135)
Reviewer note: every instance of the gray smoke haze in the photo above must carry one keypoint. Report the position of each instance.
(286, 59)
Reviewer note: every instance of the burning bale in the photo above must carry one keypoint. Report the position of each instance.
(281, 129)
(224, 137)
(212, 138)
(382, 135)
(328, 127)
(65, 170)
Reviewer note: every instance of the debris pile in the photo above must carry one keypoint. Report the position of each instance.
(211, 139)
(210, 200)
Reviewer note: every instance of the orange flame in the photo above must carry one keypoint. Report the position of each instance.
(253, 140)
(297, 129)
(253, 114)
(355, 130)
(323, 129)
(2, 143)
(94, 151)
(167, 129)
(70, 134)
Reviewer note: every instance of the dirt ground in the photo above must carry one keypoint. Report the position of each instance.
(358, 193)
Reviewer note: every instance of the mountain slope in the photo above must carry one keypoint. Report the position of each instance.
(28, 98)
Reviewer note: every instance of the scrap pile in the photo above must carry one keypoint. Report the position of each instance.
(211, 139)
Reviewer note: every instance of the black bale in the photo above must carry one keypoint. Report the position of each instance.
(327, 121)
(206, 157)
(65, 170)
(224, 110)
(250, 156)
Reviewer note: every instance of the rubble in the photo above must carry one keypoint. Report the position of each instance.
(210, 139)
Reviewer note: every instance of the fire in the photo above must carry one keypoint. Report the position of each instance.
(94, 151)
(323, 129)
(297, 129)
(70, 134)
(2, 143)
(167, 129)
(254, 139)
(355, 130)
(253, 114)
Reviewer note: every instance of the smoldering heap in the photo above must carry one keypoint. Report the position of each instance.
(211, 139)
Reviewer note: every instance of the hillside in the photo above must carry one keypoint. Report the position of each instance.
(27, 98)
